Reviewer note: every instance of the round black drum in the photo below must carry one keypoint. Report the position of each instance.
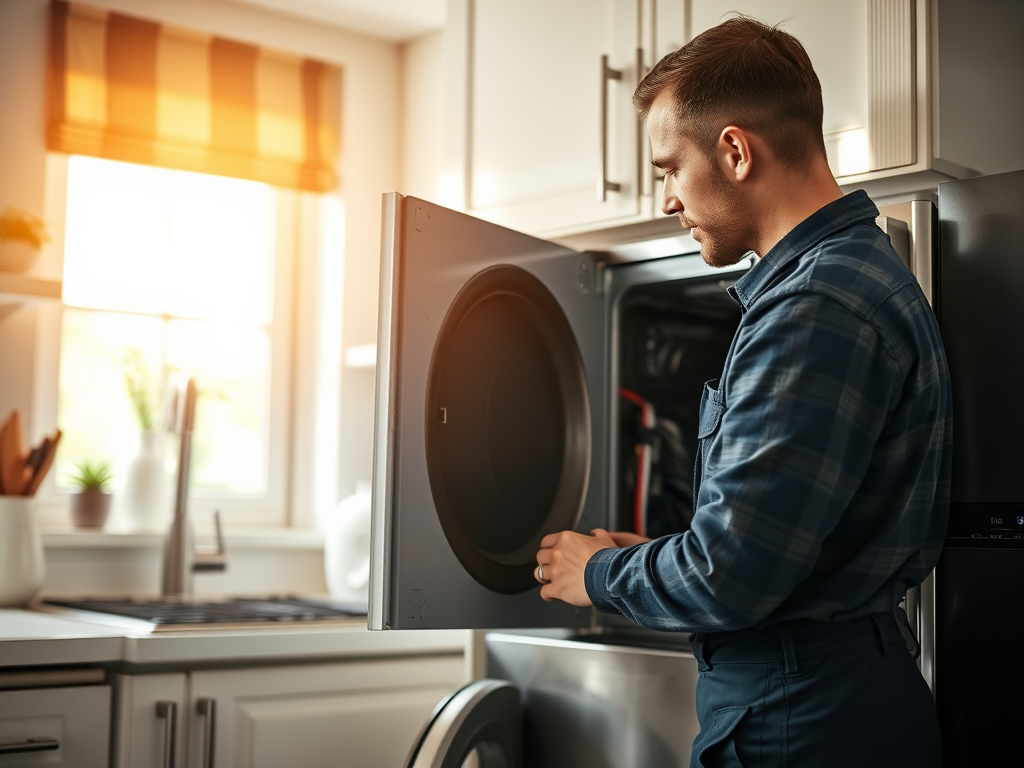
(507, 426)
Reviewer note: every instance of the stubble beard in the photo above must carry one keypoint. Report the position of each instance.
(724, 235)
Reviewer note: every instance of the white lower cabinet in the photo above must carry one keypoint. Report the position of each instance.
(55, 727)
(362, 713)
(149, 710)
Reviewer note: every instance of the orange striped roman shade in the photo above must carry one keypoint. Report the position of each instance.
(134, 90)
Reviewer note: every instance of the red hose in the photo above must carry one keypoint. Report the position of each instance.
(639, 494)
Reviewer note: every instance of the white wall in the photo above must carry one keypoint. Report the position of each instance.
(423, 115)
(370, 165)
(94, 564)
(22, 104)
(422, 121)
(23, 96)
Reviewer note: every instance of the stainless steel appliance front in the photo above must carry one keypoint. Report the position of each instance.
(491, 352)
(587, 704)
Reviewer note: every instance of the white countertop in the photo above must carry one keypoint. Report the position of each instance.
(28, 638)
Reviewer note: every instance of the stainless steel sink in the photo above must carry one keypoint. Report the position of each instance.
(161, 614)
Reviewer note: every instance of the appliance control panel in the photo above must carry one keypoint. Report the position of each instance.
(987, 522)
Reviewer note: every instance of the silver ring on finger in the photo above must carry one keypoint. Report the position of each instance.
(540, 575)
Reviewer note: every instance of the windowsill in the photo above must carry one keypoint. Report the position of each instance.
(250, 539)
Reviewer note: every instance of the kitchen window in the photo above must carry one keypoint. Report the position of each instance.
(169, 272)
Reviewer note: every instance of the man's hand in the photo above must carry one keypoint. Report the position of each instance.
(564, 557)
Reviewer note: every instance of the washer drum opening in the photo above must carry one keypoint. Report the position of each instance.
(507, 426)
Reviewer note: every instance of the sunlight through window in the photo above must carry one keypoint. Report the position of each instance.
(167, 271)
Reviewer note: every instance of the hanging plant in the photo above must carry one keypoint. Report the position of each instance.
(18, 225)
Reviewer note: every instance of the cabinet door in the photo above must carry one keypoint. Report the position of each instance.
(546, 127)
(667, 27)
(55, 727)
(149, 720)
(364, 714)
(863, 53)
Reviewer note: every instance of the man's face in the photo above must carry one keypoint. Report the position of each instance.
(697, 190)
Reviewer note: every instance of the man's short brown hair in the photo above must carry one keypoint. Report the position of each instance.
(743, 73)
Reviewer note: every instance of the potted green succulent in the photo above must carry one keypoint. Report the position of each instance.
(22, 234)
(91, 504)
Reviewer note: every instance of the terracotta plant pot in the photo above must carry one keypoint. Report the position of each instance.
(17, 256)
(89, 508)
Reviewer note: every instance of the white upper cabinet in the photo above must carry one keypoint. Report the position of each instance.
(912, 90)
(540, 141)
(545, 133)
(864, 54)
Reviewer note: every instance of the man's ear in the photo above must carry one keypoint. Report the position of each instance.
(734, 153)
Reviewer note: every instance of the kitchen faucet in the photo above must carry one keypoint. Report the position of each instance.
(181, 559)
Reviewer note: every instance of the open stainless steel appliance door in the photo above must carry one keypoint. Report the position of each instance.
(490, 423)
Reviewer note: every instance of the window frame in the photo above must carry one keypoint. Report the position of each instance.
(293, 430)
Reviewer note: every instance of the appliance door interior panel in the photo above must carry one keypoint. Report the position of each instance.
(490, 423)
(672, 322)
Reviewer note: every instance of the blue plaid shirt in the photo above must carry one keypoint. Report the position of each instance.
(822, 474)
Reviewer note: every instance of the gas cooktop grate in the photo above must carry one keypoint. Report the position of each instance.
(161, 611)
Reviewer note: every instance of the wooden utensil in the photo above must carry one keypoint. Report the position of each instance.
(12, 455)
(48, 451)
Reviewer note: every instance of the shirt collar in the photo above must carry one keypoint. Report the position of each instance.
(837, 215)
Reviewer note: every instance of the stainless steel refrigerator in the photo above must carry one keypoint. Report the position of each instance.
(978, 285)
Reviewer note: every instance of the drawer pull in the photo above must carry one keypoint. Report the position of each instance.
(207, 709)
(168, 712)
(43, 744)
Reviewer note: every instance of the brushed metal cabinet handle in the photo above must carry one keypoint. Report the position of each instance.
(603, 185)
(644, 172)
(43, 744)
(168, 712)
(207, 709)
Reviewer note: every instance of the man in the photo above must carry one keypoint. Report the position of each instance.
(822, 472)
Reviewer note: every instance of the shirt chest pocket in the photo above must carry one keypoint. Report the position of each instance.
(711, 409)
(712, 406)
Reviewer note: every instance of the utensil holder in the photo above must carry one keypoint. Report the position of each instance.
(22, 568)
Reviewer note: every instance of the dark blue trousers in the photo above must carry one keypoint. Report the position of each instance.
(813, 695)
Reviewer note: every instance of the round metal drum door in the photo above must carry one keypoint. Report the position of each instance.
(508, 426)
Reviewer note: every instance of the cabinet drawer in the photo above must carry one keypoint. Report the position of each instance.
(72, 723)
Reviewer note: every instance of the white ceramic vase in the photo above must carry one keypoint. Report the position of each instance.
(146, 498)
(22, 568)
